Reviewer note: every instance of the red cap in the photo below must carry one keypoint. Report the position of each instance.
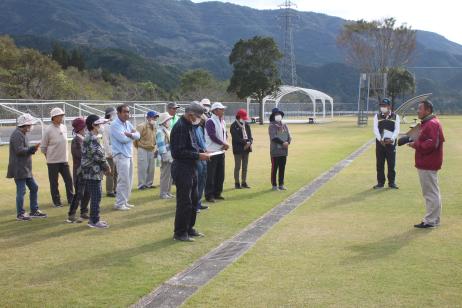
(78, 124)
(242, 114)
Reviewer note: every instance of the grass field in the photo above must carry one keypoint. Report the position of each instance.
(50, 263)
(351, 246)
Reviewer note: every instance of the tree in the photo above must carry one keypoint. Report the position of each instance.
(196, 84)
(76, 60)
(60, 55)
(400, 82)
(255, 72)
(375, 46)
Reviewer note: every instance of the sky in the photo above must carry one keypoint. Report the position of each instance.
(442, 16)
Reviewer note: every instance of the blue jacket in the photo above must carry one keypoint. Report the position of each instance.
(122, 144)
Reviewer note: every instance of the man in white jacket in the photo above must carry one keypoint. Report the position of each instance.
(216, 138)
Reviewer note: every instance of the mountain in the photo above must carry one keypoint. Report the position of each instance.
(184, 35)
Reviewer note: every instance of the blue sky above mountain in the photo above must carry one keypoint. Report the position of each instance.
(439, 17)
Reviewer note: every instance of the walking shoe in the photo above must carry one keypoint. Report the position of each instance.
(99, 225)
(121, 208)
(166, 197)
(170, 195)
(275, 188)
(195, 233)
(130, 206)
(423, 225)
(142, 187)
(393, 186)
(282, 187)
(220, 198)
(183, 238)
(23, 217)
(57, 205)
(84, 216)
(38, 214)
(378, 186)
(210, 200)
(237, 186)
(244, 185)
(71, 219)
(111, 195)
(198, 211)
(203, 207)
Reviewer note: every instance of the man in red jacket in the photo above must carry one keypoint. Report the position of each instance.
(428, 160)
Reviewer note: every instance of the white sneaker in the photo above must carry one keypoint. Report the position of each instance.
(121, 208)
(129, 205)
(170, 195)
(166, 196)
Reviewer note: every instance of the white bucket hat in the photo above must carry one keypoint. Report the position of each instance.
(206, 102)
(56, 112)
(164, 117)
(217, 105)
(26, 119)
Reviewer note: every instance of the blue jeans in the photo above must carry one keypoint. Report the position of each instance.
(201, 179)
(95, 189)
(21, 191)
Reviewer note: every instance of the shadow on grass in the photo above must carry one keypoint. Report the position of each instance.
(355, 198)
(118, 258)
(21, 238)
(385, 247)
(248, 194)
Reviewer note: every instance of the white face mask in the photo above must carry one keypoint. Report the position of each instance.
(383, 109)
(152, 122)
(100, 129)
(278, 118)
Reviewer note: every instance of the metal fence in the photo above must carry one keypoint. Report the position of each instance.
(11, 109)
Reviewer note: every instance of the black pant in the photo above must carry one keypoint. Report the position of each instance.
(388, 153)
(215, 176)
(185, 177)
(81, 196)
(53, 172)
(278, 163)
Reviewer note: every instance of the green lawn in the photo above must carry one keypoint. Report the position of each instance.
(50, 263)
(351, 246)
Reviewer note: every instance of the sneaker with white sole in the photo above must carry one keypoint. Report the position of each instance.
(121, 208)
(129, 205)
(23, 217)
(38, 214)
(99, 225)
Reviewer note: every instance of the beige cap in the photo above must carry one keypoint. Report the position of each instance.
(56, 112)
(26, 119)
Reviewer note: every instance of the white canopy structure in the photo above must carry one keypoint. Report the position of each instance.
(314, 95)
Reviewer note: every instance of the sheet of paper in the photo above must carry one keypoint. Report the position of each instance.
(216, 153)
(387, 134)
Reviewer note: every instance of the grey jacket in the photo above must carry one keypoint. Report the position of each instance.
(278, 133)
(20, 161)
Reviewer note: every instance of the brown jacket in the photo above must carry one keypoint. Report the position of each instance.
(147, 137)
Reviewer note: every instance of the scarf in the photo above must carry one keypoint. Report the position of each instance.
(166, 132)
(242, 127)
